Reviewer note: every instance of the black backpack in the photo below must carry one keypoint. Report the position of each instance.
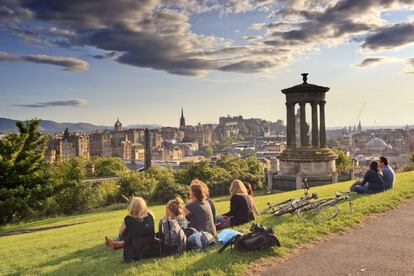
(259, 238)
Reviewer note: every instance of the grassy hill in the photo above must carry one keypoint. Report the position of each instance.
(79, 249)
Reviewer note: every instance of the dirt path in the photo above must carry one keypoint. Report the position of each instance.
(384, 246)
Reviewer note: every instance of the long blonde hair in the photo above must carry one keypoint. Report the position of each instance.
(237, 187)
(138, 207)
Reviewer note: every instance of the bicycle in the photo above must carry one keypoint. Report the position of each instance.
(291, 205)
(324, 209)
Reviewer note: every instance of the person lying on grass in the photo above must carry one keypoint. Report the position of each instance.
(372, 183)
(198, 211)
(240, 207)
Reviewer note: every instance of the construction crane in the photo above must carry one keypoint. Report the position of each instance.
(359, 114)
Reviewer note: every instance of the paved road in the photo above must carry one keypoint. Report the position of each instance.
(384, 246)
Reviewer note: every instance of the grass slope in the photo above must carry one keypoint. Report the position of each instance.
(79, 249)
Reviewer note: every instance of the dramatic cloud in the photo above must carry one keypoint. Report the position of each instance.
(368, 62)
(391, 37)
(158, 34)
(68, 64)
(76, 103)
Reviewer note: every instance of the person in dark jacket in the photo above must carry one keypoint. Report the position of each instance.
(372, 182)
(137, 233)
(240, 206)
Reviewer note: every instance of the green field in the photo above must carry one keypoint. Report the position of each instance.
(79, 249)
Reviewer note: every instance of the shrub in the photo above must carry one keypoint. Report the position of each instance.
(108, 191)
(111, 166)
(77, 196)
(137, 184)
(167, 189)
(408, 168)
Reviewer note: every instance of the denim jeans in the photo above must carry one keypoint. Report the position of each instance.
(360, 189)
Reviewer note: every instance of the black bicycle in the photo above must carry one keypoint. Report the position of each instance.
(291, 205)
(324, 209)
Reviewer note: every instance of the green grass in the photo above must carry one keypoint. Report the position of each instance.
(80, 250)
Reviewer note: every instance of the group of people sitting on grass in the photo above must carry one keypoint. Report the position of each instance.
(379, 178)
(193, 225)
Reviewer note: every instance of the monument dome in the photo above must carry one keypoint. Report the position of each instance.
(376, 144)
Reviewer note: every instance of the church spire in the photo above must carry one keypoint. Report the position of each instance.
(182, 119)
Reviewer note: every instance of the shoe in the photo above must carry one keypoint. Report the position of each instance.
(113, 245)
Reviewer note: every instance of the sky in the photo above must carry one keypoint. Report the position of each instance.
(142, 60)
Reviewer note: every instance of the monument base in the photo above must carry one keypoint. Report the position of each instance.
(315, 164)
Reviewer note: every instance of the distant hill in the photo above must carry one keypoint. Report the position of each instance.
(9, 125)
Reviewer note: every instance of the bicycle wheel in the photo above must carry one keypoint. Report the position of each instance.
(327, 212)
(309, 211)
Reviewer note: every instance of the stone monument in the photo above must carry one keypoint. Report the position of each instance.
(308, 159)
(147, 149)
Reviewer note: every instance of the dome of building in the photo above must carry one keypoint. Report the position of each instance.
(376, 144)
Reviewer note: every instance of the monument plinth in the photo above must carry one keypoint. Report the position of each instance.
(310, 159)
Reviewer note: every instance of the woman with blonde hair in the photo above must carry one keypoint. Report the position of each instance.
(174, 210)
(240, 210)
(198, 211)
(136, 234)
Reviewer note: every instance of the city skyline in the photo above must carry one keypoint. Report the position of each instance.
(145, 61)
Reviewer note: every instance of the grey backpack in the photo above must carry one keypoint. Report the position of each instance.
(173, 239)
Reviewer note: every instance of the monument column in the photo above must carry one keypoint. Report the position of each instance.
(322, 124)
(290, 125)
(303, 134)
(147, 149)
(315, 136)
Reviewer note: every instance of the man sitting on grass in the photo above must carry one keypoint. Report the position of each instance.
(387, 172)
(372, 182)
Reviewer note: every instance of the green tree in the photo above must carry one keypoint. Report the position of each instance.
(167, 189)
(110, 166)
(24, 177)
(137, 184)
(343, 161)
(207, 151)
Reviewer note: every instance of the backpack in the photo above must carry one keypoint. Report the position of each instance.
(173, 238)
(259, 238)
(201, 240)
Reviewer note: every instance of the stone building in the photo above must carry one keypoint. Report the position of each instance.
(172, 133)
(100, 144)
(200, 134)
(137, 152)
(167, 152)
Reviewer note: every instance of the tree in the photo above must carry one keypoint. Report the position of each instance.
(110, 166)
(24, 176)
(208, 151)
(137, 184)
(343, 161)
(412, 157)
